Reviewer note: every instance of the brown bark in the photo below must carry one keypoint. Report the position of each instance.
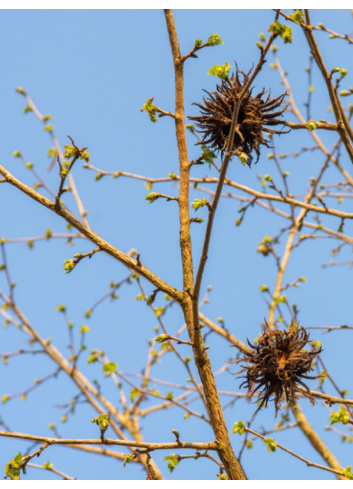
(225, 451)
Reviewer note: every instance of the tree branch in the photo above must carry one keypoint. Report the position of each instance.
(112, 441)
(91, 235)
(310, 464)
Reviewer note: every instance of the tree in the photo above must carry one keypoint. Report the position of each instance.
(232, 127)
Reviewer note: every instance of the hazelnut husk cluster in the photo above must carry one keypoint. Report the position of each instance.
(256, 114)
(277, 365)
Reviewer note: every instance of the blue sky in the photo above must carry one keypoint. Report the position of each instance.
(93, 71)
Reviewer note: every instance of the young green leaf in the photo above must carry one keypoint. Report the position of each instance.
(133, 394)
(284, 31)
(221, 71)
(109, 367)
(198, 203)
(271, 444)
(214, 40)
(297, 16)
(172, 461)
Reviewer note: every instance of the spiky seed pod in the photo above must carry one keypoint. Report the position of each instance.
(277, 365)
(255, 113)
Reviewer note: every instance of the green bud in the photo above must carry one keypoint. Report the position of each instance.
(344, 93)
(208, 155)
(84, 329)
(128, 459)
(150, 109)
(102, 421)
(92, 359)
(70, 151)
(239, 428)
(340, 417)
(243, 158)
(64, 172)
(311, 125)
(88, 313)
(133, 394)
(152, 197)
(20, 90)
(198, 43)
(159, 311)
(222, 477)
(347, 472)
(69, 265)
(162, 337)
(281, 299)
